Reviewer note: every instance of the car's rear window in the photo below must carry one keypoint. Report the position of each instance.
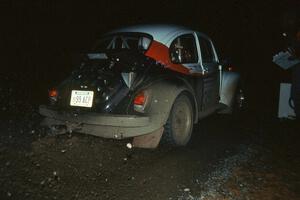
(123, 41)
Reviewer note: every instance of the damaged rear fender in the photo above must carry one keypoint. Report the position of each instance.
(163, 95)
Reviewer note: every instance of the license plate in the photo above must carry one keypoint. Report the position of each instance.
(82, 98)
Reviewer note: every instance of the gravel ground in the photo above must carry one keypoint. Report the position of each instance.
(227, 159)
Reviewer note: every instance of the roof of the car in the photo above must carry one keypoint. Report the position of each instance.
(159, 32)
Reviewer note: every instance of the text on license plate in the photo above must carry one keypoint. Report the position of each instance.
(82, 98)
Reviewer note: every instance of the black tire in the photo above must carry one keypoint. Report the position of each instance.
(237, 102)
(179, 126)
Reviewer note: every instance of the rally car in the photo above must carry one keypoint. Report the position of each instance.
(144, 82)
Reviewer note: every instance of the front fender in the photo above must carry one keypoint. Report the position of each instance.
(230, 81)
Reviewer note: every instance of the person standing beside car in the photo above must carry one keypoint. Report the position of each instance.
(290, 24)
(295, 51)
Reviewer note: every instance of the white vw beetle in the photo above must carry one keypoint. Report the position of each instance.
(144, 82)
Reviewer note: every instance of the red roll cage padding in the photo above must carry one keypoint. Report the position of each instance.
(160, 53)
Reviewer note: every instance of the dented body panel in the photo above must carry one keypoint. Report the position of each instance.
(230, 82)
(120, 126)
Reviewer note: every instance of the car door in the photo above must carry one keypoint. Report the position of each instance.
(209, 62)
(184, 50)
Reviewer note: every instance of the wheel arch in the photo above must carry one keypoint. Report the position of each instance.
(164, 94)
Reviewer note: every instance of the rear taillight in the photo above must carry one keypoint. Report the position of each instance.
(53, 96)
(53, 93)
(140, 101)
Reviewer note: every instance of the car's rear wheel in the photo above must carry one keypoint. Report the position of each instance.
(179, 126)
(238, 101)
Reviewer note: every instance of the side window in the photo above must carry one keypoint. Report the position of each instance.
(206, 51)
(183, 49)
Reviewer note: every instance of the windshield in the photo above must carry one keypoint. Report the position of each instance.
(123, 41)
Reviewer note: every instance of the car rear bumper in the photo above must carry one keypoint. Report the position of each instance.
(102, 125)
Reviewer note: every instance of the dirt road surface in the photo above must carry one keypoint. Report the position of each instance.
(227, 159)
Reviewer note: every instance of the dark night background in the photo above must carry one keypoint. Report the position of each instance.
(252, 155)
(42, 39)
